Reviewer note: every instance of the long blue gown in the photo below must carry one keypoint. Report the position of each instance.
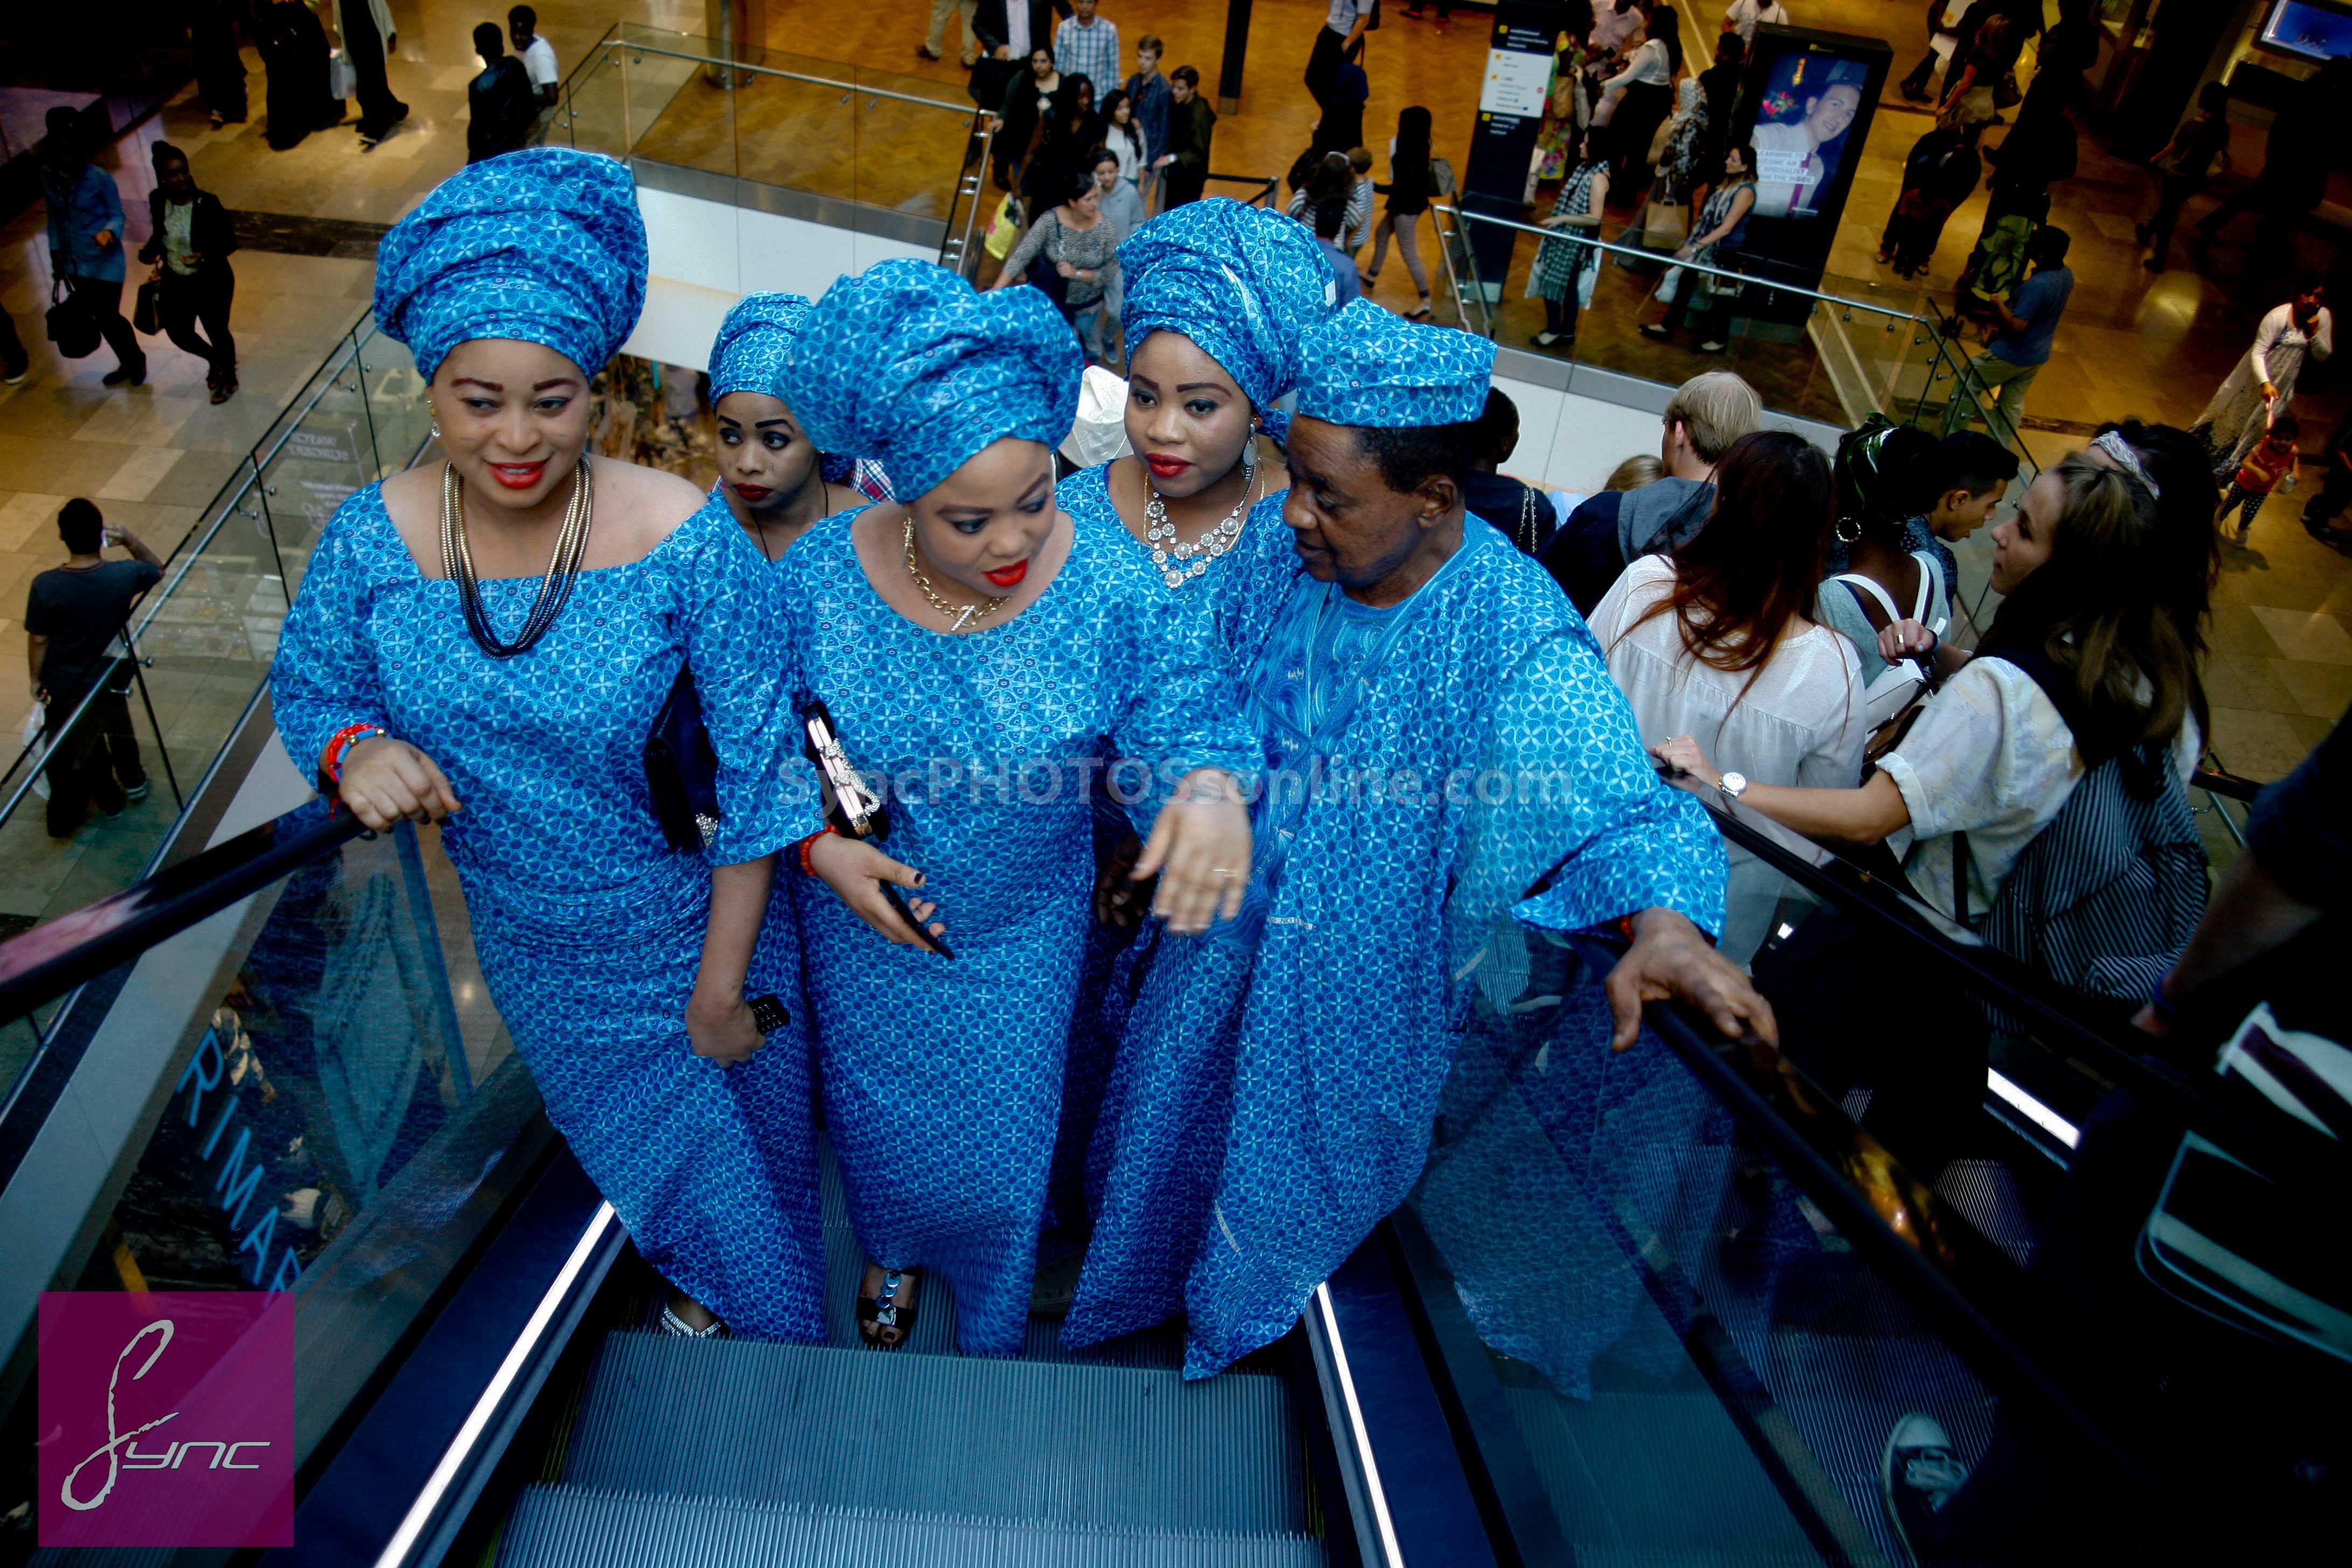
(1257, 1132)
(1238, 592)
(942, 1080)
(589, 927)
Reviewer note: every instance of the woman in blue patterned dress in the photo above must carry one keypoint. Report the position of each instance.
(772, 478)
(981, 656)
(436, 666)
(1219, 296)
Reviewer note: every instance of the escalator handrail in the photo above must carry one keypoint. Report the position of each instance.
(2223, 1109)
(56, 956)
(1990, 1350)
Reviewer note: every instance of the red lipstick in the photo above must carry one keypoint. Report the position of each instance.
(753, 493)
(1164, 466)
(519, 476)
(1009, 577)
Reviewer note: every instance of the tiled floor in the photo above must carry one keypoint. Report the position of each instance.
(155, 457)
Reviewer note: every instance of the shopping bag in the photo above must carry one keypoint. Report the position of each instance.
(69, 324)
(1670, 285)
(1664, 227)
(1005, 229)
(1588, 275)
(147, 309)
(341, 80)
(35, 723)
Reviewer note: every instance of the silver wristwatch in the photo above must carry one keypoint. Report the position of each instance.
(1733, 785)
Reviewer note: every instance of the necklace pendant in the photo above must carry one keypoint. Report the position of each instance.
(1159, 558)
(1174, 576)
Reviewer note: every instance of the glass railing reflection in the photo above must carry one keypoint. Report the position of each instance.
(198, 647)
(1659, 1297)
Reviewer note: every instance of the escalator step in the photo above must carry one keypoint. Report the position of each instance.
(578, 1527)
(938, 1434)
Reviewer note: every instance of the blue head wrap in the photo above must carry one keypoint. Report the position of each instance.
(544, 245)
(1245, 284)
(906, 365)
(1369, 366)
(753, 343)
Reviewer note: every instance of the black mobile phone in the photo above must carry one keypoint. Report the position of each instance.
(890, 892)
(768, 1013)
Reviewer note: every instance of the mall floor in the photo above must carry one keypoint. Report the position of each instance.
(156, 456)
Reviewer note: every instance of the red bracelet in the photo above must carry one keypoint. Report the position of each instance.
(806, 844)
(330, 760)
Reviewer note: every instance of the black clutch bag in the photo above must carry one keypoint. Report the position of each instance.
(682, 769)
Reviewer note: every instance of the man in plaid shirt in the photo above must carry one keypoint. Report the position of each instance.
(1085, 44)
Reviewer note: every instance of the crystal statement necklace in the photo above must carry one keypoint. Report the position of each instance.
(957, 615)
(1180, 562)
(554, 589)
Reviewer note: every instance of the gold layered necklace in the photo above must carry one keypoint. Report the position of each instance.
(957, 615)
(554, 589)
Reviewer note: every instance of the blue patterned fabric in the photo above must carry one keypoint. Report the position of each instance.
(589, 927)
(1273, 1097)
(942, 1080)
(906, 365)
(755, 343)
(1236, 598)
(1246, 284)
(544, 245)
(1371, 367)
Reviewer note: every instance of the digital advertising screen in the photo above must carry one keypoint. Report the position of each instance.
(2308, 30)
(1805, 124)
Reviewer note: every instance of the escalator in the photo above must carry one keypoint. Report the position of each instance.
(1649, 1308)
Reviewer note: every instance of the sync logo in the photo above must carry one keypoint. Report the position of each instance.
(166, 1418)
(224, 1456)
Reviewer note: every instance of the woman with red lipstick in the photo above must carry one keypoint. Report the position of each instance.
(983, 656)
(1218, 297)
(497, 633)
(770, 475)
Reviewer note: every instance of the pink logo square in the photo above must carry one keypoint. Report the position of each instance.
(166, 1418)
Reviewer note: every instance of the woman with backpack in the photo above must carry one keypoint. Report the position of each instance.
(2083, 674)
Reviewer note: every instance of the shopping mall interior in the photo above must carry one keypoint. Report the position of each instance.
(1675, 1304)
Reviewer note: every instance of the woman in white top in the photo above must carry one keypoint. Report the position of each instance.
(2262, 383)
(1122, 138)
(2079, 566)
(1714, 650)
(1649, 70)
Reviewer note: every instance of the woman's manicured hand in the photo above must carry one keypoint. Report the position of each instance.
(1903, 639)
(1200, 850)
(856, 870)
(387, 781)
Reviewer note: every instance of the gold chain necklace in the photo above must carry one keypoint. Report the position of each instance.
(956, 614)
(554, 589)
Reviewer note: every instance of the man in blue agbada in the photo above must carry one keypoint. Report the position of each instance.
(1441, 736)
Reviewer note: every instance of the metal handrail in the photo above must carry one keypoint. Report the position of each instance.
(1666, 259)
(625, 42)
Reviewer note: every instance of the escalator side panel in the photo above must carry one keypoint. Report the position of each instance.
(358, 1503)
